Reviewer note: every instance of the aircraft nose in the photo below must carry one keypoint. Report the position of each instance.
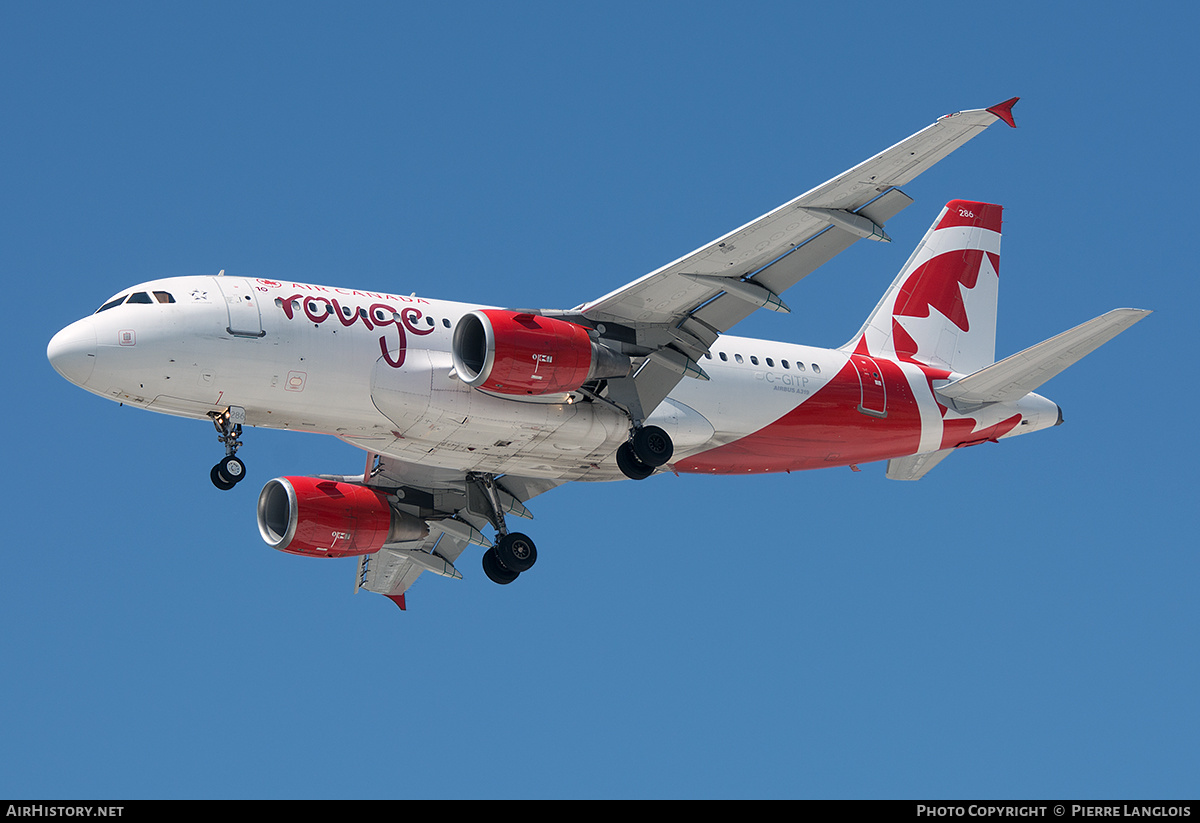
(72, 352)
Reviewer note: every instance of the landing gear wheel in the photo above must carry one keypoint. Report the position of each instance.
(232, 469)
(652, 446)
(219, 480)
(629, 464)
(495, 571)
(516, 552)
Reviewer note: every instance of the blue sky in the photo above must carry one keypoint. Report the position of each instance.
(1020, 623)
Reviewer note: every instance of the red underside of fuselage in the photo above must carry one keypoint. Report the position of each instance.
(828, 429)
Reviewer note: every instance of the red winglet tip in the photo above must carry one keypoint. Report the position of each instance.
(1004, 111)
(398, 599)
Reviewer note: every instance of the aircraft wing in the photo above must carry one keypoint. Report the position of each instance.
(457, 509)
(392, 569)
(676, 312)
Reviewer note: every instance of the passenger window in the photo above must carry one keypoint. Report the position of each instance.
(446, 322)
(816, 369)
(799, 366)
(738, 358)
(429, 319)
(770, 362)
(164, 297)
(754, 360)
(707, 356)
(724, 356)
(784, 363)
(140, 297)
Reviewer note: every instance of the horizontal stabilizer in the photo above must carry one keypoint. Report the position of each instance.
(1014, 377)
(915, 466)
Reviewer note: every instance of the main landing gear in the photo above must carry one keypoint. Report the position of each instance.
(647, 448)
(230, 471)
(514, 552)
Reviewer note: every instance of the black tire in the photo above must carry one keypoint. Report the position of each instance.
(629, 465)
(219, 480)
(652, 446)
(231, 469)
(516, 552)
(496, 572)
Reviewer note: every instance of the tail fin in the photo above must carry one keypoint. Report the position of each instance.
(941, 308)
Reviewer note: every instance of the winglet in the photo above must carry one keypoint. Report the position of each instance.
(1004, 111)
(398, 599)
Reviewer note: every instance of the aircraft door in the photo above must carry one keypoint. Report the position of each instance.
(242, 305)
(870, 380)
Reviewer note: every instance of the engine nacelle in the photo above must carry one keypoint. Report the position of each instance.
(519, 353)
(325, 518)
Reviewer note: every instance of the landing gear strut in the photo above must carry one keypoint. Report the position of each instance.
(514, 552)
(648, 447)
(230, 471)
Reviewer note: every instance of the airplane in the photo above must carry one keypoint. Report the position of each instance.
(467, 412)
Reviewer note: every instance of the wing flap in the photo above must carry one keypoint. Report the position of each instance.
(781, 274)
(393, 569)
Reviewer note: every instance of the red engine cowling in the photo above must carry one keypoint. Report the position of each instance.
(325, 518)
(519, 353)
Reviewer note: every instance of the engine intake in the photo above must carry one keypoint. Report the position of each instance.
(518, 353)
(326, 518)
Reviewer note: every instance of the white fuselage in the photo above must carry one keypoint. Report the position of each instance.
(375, 370)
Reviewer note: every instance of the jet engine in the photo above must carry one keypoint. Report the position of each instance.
(326, 518)
(518, 353)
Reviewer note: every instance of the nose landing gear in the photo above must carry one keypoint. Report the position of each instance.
(230, 471)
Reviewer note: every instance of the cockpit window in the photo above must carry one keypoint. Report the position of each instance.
(138, 297)
(116, 301)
